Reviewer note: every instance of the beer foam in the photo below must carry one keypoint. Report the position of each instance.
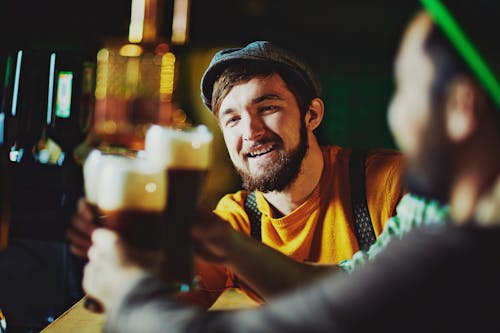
(91, 175)
(121, 182)
(189, 148)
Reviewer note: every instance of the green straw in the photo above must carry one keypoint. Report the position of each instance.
(469, 53)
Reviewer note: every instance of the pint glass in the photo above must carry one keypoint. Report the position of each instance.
(184, 155)
(128, 196)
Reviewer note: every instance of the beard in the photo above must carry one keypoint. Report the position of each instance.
(428, 175)
(281, 174)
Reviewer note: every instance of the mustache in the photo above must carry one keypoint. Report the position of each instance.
(275, 141)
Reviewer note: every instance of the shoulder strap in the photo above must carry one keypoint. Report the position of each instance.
(362, 221)
(254, 215)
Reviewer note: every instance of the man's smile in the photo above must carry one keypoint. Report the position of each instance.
(260, 150)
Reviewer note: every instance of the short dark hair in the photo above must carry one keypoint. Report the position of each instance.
(476, 21)
(244, 71)
(447, 63)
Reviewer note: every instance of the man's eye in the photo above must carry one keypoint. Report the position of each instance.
(232, 120)
(268, 108)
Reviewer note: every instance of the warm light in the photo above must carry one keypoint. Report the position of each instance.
(136, 27)
(167, 73)
(109, 127)
(162, 48)
(150, 20)
(130, 50)
(132, 78)
(151, 187)
(102, 74)
(103, 55)
(180, 22)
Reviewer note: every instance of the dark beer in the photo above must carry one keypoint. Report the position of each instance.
(184, 188)
(140, 229)
(129, 197)
(185, 156)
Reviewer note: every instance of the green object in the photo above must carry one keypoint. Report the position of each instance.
(445, 20)
(8, 70)
(63, 97)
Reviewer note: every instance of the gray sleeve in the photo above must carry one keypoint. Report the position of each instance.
(149, 309)
(393, 293)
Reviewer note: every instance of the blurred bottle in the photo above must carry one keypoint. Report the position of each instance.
(135, 80)
(86, 114)
(135, 86)
(46, 111)
(25, 102)
(46, 103)
(68, 109)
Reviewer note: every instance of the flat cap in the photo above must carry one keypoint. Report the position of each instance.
(258, 51)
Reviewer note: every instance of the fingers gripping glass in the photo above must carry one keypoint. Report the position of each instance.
(450, 27)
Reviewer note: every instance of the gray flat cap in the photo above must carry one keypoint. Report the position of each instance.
(260, 51)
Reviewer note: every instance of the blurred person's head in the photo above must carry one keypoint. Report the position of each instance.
(266, 102)
(442, 118)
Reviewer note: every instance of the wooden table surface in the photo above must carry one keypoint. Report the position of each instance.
(77, 319)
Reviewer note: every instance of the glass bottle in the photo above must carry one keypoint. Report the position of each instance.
(26, 102)
(134, 80)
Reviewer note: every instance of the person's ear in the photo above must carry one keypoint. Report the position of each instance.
(314, 114)
(461, 116)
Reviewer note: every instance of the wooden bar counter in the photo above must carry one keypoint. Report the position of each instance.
(77, 319)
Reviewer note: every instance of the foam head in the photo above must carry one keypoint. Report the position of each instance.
(91, 174)
(117, 182)
(189, 148)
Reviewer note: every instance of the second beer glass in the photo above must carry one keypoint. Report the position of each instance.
(151, 198)
(185, 156)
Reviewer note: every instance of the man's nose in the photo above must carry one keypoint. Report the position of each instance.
(254, 128)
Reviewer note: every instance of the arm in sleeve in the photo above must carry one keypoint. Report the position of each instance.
(412, 212)
(390, 294)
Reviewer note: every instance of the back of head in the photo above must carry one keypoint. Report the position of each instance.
(451, 56)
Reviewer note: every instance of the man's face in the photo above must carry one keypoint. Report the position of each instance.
(264, 133)
(415, 122)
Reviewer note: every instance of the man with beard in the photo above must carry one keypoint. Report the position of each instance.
(267, 104)
(437, 278)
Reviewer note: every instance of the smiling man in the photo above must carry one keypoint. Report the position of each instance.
(441, 278)
(268, 105)
(298, 197)
(267, 145)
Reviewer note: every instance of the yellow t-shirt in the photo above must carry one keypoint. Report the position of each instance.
(321, 229)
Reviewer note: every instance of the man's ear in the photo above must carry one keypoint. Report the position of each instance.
(462, 112)
(315, 113)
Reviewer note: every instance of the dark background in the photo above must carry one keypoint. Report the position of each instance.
(351, 45)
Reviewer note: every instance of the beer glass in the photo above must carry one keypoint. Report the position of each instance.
(127, 195)
(184, 155)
